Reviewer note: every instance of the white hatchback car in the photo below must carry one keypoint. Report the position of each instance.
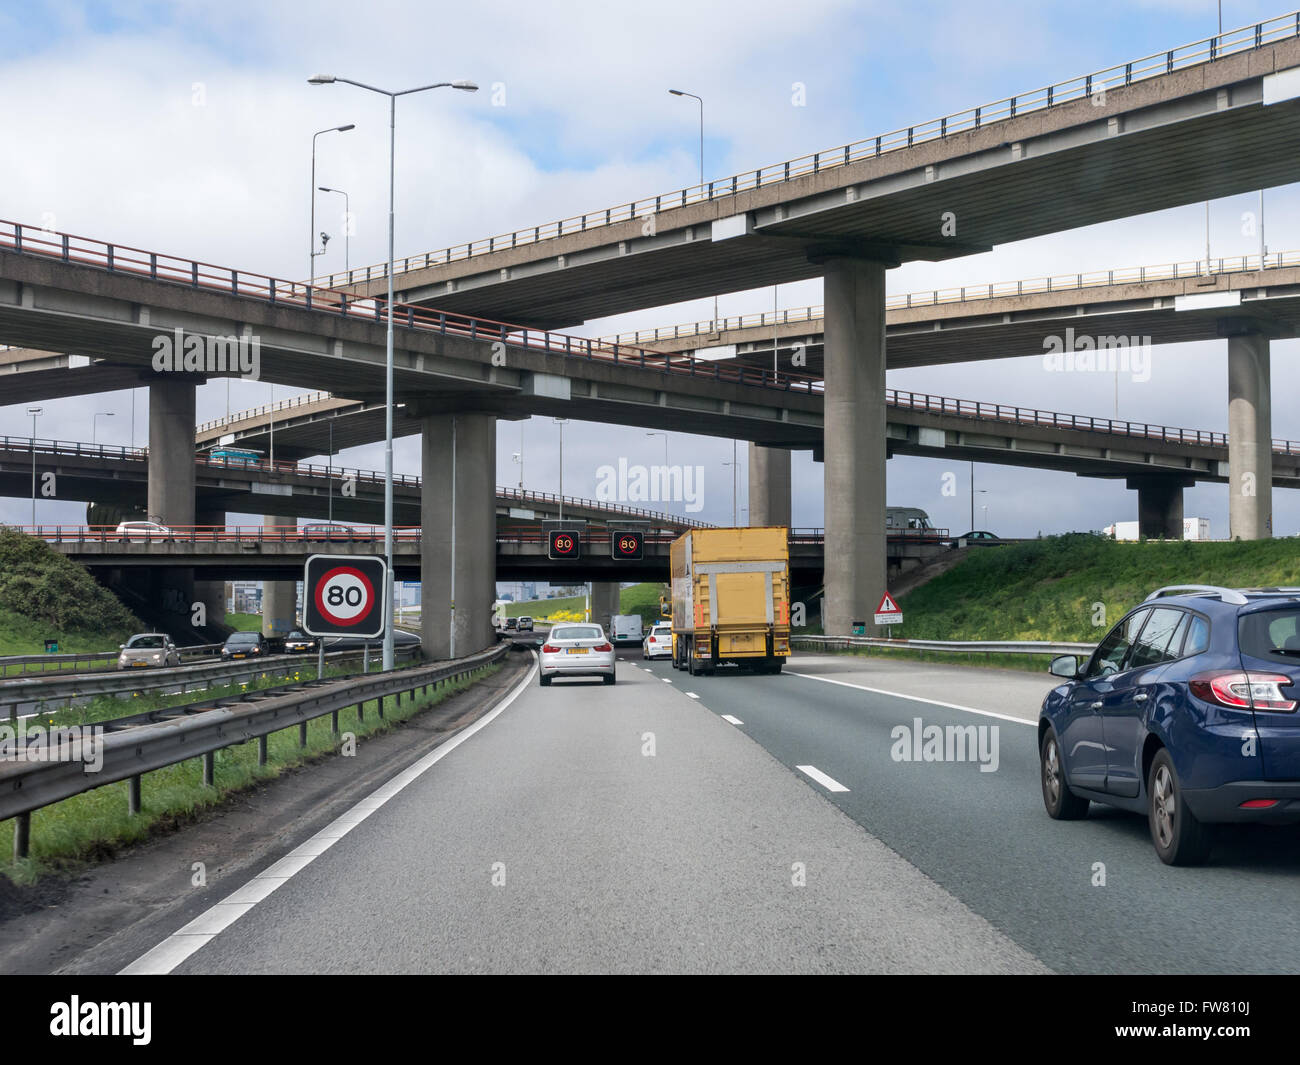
(658, 642)
(578, 650)
(142, 532)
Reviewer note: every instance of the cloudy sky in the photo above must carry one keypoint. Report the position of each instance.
(186, 127)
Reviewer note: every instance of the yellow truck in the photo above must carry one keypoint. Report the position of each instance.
(731, 599)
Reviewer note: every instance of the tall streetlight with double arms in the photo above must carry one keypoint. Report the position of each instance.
(466, 86)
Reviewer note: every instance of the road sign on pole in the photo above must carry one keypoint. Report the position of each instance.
(888, 613)
(344, 595)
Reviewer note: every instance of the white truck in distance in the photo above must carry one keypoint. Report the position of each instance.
(625, 628)
(1193, 529)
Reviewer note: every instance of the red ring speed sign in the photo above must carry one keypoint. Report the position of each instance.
(345, 596)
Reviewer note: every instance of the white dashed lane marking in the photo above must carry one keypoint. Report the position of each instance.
(829, 783)
(733, 720)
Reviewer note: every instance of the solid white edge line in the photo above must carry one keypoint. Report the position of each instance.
(829, 783)
(163, 958)
(914, 698)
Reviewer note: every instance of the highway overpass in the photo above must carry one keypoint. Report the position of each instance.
(1137, 138)
(106, 473)
(278, 554)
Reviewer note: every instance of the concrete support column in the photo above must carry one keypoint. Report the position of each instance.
(279, 598)
(171, 452)
(604, 603)
(769, 485)
(854, 443)
(1160, 506)
(171, 486)
(1250, 438)
(212, 594)
(467, 442)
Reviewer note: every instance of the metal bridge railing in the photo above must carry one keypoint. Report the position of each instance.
(815, 314)
(191, 273)
(1086, 86)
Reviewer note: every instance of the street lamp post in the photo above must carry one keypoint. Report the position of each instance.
(35, 412)
(311, 236)
(467, 86)
(973, 491)
(560, 422)
(700, 101)
(662, 480)
(347, 228)
(733, 464)
(94, 426)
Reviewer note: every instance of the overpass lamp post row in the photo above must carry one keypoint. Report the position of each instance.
(347, 224)
(465, 86)
(311, 236)
(35, 412)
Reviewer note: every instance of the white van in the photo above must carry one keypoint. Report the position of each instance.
(625, 628)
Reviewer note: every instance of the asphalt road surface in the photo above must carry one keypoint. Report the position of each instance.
(752, 824)
(591, 829)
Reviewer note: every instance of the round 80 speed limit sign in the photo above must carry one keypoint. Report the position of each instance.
(343, 595)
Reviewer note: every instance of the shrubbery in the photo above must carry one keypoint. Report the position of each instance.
(39, 584)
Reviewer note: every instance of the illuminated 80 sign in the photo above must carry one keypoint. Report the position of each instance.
(563, 543)
(627, 545)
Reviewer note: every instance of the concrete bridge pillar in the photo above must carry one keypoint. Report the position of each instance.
(465, 443)
(212, 594)
(171, 484)
(279, 598)
(604, 603)
(1250, 438)
(171, 452)
(769, 485)
(854, 443)
(1160, 506)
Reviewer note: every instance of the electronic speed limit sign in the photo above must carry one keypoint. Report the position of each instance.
(343, 595)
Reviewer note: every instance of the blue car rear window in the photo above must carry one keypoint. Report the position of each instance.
(1273, 635)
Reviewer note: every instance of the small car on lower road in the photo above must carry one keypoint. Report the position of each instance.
(243, 645)
(148, 649)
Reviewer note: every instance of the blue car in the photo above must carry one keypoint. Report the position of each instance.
(1185, 712)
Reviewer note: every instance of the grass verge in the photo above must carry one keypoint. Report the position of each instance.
(95, 824)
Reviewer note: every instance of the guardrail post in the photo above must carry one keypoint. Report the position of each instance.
(334, 723)
(302, 734)
(361, 710)
(133, 795)
(209, 769)
(22, 835)
(261, 750)
(379, 706)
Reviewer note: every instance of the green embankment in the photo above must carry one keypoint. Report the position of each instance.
(640, 599)
(1050, 589)
(45, 596)
(244, 622)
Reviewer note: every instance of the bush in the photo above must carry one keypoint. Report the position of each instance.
(39, 584)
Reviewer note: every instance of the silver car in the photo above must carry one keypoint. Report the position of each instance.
(578, 650)
(148, 649)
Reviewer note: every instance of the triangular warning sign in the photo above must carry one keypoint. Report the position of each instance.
(887, 605)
